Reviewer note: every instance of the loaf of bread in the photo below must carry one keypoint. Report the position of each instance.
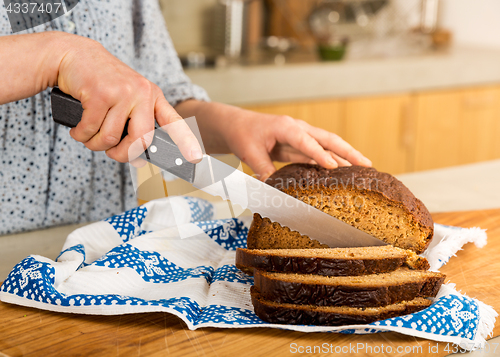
(298, 280)
(373, 290)
(295, 314)
(329, 261)
(371, 201)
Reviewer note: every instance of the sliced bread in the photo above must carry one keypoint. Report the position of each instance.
(372, 290)
(329, 261)
(294, 314)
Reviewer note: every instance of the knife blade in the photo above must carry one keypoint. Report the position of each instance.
(220, 179)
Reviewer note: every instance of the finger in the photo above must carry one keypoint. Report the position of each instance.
(285, 153)
(110, 133)
(300, 139)
(179, 131)
(301, 159)
(92, 118)
(297, 158)
(339, 146)
(259, 161)
(140, 134)
(288, 154)
(340, 161)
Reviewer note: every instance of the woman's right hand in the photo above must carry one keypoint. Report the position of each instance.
(111, 92)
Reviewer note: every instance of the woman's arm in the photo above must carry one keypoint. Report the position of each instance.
(110, 91)
(30, 63)
(258, 139)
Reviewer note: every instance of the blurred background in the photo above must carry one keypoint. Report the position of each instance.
(251, 32)
(413, 84)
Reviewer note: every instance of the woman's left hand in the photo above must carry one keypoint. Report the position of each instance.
(258, 139)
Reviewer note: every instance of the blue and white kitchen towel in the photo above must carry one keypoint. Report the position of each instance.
(137, 262)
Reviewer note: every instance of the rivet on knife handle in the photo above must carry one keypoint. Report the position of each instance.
(162, 152)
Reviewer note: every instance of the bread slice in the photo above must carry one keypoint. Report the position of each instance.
(359, 291)
(329, 261)
(294, 314)
(372, 201)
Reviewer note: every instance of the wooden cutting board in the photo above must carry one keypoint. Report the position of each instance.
(32, 332)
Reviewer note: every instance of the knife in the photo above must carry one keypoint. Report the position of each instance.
(220, 179)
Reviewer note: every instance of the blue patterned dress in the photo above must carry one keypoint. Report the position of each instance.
(46, 177)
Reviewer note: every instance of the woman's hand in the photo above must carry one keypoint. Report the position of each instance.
(110, 92)
(259, 139)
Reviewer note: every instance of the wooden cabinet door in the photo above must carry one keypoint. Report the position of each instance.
(380, 128)
(438, 130)
(326, 114)
(480, 125)
(457, 127)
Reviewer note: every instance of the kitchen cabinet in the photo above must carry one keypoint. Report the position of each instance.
(326, 114)
(457, 127)
(379, 128)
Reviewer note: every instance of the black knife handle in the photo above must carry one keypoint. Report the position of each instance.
(162, 152)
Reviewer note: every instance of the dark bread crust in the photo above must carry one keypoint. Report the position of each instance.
(311, 315)
(304, 181)
(249, 259)
(275, 287)
(357, 176)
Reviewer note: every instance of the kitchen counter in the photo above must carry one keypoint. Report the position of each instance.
(246, 85)
(459, 188)
(469, 187)
(31, 332)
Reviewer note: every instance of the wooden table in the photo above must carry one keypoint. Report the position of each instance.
(32, 332)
